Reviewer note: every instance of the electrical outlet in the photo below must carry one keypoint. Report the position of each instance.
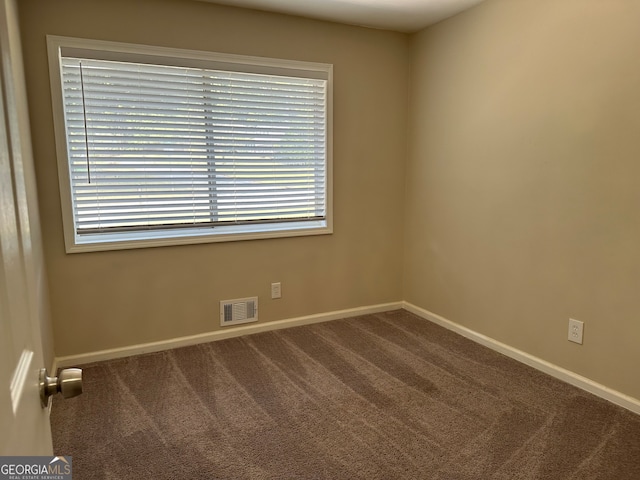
(576, 327)
(276, 290)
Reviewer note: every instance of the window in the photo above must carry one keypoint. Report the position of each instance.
(161, 146)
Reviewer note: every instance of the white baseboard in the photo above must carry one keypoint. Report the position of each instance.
(90, 357)
(560, 373)
(555, 371)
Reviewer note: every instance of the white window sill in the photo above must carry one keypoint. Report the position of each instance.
(164, 238)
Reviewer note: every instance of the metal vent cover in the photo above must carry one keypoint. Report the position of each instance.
(239, 310)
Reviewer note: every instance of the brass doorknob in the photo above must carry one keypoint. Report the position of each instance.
(68, 383)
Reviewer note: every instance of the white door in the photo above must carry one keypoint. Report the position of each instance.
(24, 424)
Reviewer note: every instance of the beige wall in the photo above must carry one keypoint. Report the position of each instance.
(112, 299)
(523, 193)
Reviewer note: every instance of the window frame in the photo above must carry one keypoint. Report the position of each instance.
(59, 46)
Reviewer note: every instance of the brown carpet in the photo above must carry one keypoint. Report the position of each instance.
(386, 396)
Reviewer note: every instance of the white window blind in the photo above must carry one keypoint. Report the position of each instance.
(161, 146)
(154, 147)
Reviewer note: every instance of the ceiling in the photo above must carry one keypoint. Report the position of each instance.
(399, 15)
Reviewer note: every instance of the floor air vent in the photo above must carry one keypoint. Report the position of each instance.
(241, 310)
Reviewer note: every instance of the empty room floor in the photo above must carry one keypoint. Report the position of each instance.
(382, 396)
